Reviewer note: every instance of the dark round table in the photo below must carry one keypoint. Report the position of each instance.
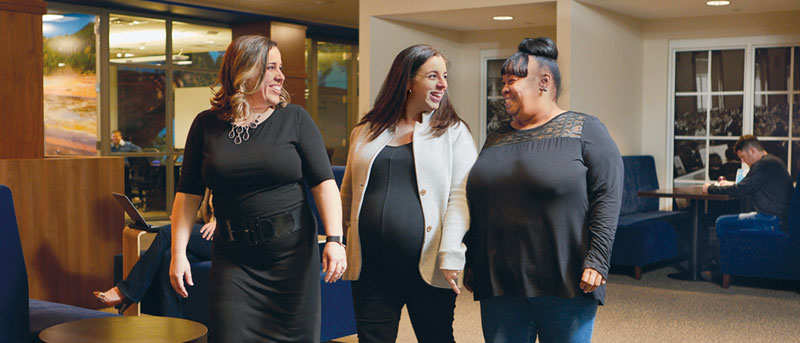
(126, 329)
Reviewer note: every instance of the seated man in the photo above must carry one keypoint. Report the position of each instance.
(767, 184)
(120, 145)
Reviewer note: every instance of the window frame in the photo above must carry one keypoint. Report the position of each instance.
(749, 44)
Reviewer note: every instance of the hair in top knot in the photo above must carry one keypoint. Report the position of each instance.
(543, 49)
(540, 47)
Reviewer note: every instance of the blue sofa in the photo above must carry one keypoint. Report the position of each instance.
(338, 316)
(21, 318)
(645, 235)
(755, 252)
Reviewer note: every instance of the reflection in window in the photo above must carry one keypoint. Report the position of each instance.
(136, 40)
(70, 83)
(690, 115)
(688, 160)
(199, 46)
(726, 70)
(722, 160)
(726, 115)
(779, 149)
(140, 106)
(496, 114)
(333, 72)
(771, 115)
(772, 69)
(691, 71)
(147, 180)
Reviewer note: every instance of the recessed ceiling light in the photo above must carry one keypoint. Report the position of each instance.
(718, 3)
(503, 17)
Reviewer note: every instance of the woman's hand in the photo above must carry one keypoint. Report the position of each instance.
(208, 230)
(451, 276)
(334, 261)
(178, 270)
(590, 280)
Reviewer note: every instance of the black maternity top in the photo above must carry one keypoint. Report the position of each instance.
(544, 205)
(391, 224)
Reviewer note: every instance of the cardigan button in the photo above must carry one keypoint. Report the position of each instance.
(422, 192)
(429, 228)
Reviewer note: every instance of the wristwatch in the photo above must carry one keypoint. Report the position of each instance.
(335, 239)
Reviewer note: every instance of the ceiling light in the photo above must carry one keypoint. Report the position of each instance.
(51, 17)
(718, 3)
(503, 17)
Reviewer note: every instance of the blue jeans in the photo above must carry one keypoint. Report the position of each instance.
(752, 221)
(508, 319)
(158, 255)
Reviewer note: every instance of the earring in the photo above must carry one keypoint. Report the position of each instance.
(409, 91)
(543, 89)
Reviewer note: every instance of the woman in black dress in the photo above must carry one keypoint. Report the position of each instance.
(254, 150)
(544, 197)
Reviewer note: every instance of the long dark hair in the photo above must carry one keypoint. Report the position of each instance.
(391, 101)
(544, 50)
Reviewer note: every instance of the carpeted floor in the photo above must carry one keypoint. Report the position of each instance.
(660, 309)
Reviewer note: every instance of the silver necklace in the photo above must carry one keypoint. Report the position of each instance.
(241, 133)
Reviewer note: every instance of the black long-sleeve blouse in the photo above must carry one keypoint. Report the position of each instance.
(544, 205)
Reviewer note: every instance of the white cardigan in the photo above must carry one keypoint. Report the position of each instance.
(442, 165)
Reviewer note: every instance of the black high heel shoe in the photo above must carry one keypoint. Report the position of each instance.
(123, 305)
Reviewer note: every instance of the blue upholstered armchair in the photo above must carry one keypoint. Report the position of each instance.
(755, 252)
(645, 235)
(21, 319)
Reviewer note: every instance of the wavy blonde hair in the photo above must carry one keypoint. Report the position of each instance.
(242, 71)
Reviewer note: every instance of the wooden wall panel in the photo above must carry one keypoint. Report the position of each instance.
(291, 40)
(250, 28)
(21, 116)
(70, 225)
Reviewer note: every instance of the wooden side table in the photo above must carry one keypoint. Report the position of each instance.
(127, 329)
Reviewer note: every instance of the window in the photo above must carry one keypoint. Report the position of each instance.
(718, 94)
(330, 93)
(152, 94)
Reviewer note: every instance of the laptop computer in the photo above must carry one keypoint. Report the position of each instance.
(138, 221)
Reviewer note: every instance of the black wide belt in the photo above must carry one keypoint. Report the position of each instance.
(260, 229)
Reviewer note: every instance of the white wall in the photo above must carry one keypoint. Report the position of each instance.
(605, 77)
(462, 49)
(380, 40)
(655, 76)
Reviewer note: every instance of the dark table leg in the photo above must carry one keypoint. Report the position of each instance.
(695, 229)
(696, 220)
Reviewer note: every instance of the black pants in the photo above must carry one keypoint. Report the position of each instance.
(379, 297)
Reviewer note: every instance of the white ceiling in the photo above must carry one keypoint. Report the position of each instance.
(345, 12)
(651, 9)
(479, 19)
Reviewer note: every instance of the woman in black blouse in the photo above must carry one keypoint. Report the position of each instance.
(544, 197)
(254, 150)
